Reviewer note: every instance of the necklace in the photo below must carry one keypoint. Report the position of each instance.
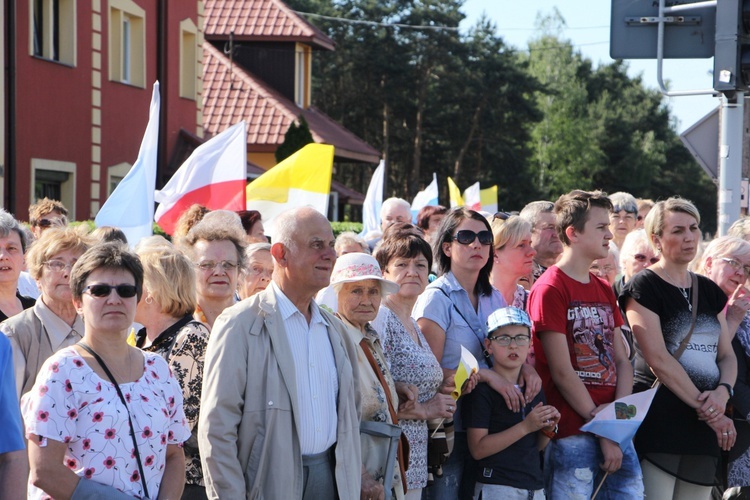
(684, 291)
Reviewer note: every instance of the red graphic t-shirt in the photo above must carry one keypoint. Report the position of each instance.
(587, 314)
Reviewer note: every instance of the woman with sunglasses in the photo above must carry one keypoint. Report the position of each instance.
(636, 255)
(681, 438)
(726, 261)
(105, 419)
(452, 313)
(53, 323)
(216, 245)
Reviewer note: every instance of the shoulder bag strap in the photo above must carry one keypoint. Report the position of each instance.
(686, 340)
(403, 444)
(122, 398)
(485, 352)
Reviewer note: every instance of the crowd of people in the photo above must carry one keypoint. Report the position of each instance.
(455, 357)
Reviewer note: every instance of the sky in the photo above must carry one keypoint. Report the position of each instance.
(588, 24)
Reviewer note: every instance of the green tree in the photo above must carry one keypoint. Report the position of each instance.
(296, 137)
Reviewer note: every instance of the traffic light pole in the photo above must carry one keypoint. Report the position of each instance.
(730, 160)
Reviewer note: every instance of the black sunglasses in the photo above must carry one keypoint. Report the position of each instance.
(467, 237)
(102, 290)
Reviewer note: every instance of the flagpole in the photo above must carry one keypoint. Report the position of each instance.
(600, 485)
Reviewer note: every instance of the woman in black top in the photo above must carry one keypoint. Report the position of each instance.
(681, 437)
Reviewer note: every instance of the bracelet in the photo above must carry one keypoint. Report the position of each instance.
(550, 434)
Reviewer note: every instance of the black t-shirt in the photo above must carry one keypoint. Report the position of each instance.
(668, 302)
(671, 426)
(26, 302)
(518, 465)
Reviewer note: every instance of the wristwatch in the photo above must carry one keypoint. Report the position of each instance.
(729, 388)
(550, 434)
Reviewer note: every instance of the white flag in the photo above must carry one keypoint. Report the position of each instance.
(373, 201)
(130, 207)
(429, 196)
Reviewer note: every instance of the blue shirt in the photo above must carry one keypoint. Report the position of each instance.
(11, 428)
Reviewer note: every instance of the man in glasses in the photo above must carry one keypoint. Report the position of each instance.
(544, 237)
(279, 415)
(581, 356)
(47, 213)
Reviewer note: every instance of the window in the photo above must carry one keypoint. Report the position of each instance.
(127, 43)
(53, 30)
(302, 70)
(115, 175)
(55, 180)
(188, 59)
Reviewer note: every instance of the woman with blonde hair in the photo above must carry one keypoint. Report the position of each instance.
(513, 257)
(668, 308)
(166, 313)
(726, 261)
(52, 323)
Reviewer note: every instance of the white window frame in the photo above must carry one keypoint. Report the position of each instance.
(67, 188)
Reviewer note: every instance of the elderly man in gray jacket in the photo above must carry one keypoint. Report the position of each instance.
(280, 410)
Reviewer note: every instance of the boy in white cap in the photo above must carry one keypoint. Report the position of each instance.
(507, 444)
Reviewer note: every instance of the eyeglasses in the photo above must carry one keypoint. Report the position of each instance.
(642, 258)
(467, 237)
(737, 265)
(631, 209)
(45, 223)
(102, 290)
(602, 269)
(501, 216)
(505, 340)
(58, 266)
(259, 271)
(617, 216)
(210, 265)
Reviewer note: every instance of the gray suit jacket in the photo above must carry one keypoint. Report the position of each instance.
(248, 429)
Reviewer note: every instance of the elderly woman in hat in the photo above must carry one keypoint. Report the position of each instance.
(360, 287)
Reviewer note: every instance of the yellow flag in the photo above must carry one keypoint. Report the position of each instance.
(303, 179)
(131, 337)
(455, 194)
(489, 199)
(466, 367)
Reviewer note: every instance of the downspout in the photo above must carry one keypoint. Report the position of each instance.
(161, 75)
(10, 106)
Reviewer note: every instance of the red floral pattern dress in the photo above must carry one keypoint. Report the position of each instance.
(70, 403)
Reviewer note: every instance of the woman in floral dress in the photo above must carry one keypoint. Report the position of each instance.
(406, 259)
(88, 437)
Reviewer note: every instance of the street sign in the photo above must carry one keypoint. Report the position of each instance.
(702, 140)
(633, 30)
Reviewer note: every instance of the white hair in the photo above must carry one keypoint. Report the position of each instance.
(393, 203)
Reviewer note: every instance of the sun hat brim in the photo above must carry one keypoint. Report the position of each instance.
(387, 287)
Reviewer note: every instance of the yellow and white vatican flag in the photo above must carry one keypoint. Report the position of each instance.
(454, 194)
(466, 368)
(489, 199)
(303, 179)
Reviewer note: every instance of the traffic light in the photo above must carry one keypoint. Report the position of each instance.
(732, 46)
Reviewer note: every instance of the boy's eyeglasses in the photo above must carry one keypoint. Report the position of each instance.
(505, 340)
(102, 290)
(467, 237)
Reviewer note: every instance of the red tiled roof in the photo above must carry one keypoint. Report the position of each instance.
(260, 20)
(231, 95)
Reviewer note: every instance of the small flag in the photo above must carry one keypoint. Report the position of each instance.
(429, 196)
(488, 199)
(373, 201)
(466, 367)
(472, 199)
(303, 179)
(130, 207)
(454, 193)
(215, 176)
(620, 420)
